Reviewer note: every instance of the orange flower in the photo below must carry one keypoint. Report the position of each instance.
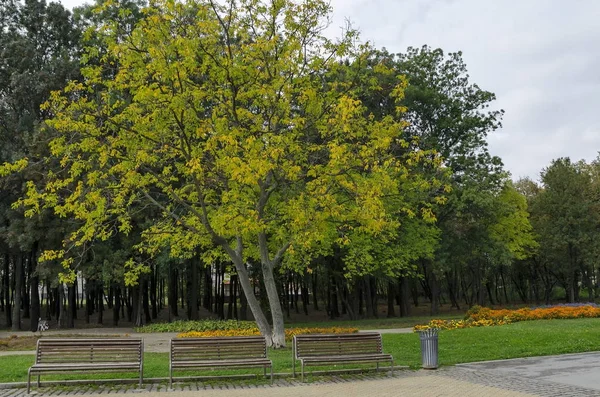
(289, 332)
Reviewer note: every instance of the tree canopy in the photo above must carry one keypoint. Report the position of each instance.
(221, 117)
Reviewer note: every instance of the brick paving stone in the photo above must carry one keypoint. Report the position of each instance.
(515, 383)
(451, 381)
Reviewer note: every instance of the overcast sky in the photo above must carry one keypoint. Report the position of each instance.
(540, 57)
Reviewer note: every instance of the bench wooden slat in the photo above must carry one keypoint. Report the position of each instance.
(338, 348)
(246, 351)
(87, 354)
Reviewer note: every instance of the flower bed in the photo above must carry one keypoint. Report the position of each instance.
(479, 316)
(289, 332)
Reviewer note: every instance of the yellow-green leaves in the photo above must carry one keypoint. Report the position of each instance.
(230, 124)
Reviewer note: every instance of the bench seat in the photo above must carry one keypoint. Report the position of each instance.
(221, 363)
(57, 355)
(232, 352)
(338, 348)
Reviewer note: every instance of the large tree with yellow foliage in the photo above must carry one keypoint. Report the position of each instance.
(223, 117)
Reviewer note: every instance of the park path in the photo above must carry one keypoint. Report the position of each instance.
(154, 342)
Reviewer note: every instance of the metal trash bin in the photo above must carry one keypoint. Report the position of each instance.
(429, 348)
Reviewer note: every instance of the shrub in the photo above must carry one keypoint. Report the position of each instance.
(199, 326)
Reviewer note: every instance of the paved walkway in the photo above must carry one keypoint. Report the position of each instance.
(448, 382)
(407, 383)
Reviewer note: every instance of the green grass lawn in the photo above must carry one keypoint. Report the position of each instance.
(531, 338)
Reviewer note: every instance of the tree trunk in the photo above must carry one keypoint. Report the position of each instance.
(404, 297)
(243, 304)
(62, 314)
(145, 300)
(89, 300)
(368, 297)
(278, 332)
(314, 291)
(153, 292)
(391, 293)
(25, 280)
(100, 297)
(207, 300)
(230, 302)
(6, 288)
(304, 292)
(16, 317)
(250, 298)
(34, 291)
(72, 306)
(116, 305)
(173, 291)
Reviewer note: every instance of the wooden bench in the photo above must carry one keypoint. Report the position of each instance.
(338, 348)
(57, 355)
(233, 352)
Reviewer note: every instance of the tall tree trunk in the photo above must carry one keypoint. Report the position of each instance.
(207, 300)
(154, 292)
(278, 332)
(145, 300)
(16, 317)
(250, 299)
(173, 291)
(72, 306)
(404, 295)
(25, 280)
(243, 305)
(391, 293)
(182, 285)
(116, 305)
(314, 291)
(100, 297)
(368, 297)
(222, 293)
(34, 291)
(89, 300)
(62, 313)
(488, 287)
(304, 292)
(286, 296)
(111, 294)
(137, 295)
(230, 303)
(6, 289)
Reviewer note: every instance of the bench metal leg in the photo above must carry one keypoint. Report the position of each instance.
(392, 366)
(28, 381)
(377, 368)
(265, 371)
(170, 378)
(38, 380)
(302, 365)
(271, 373)
(293, 366)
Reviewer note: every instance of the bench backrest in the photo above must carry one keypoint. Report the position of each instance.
(86, 350)
(337, 344)
(223, 348)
